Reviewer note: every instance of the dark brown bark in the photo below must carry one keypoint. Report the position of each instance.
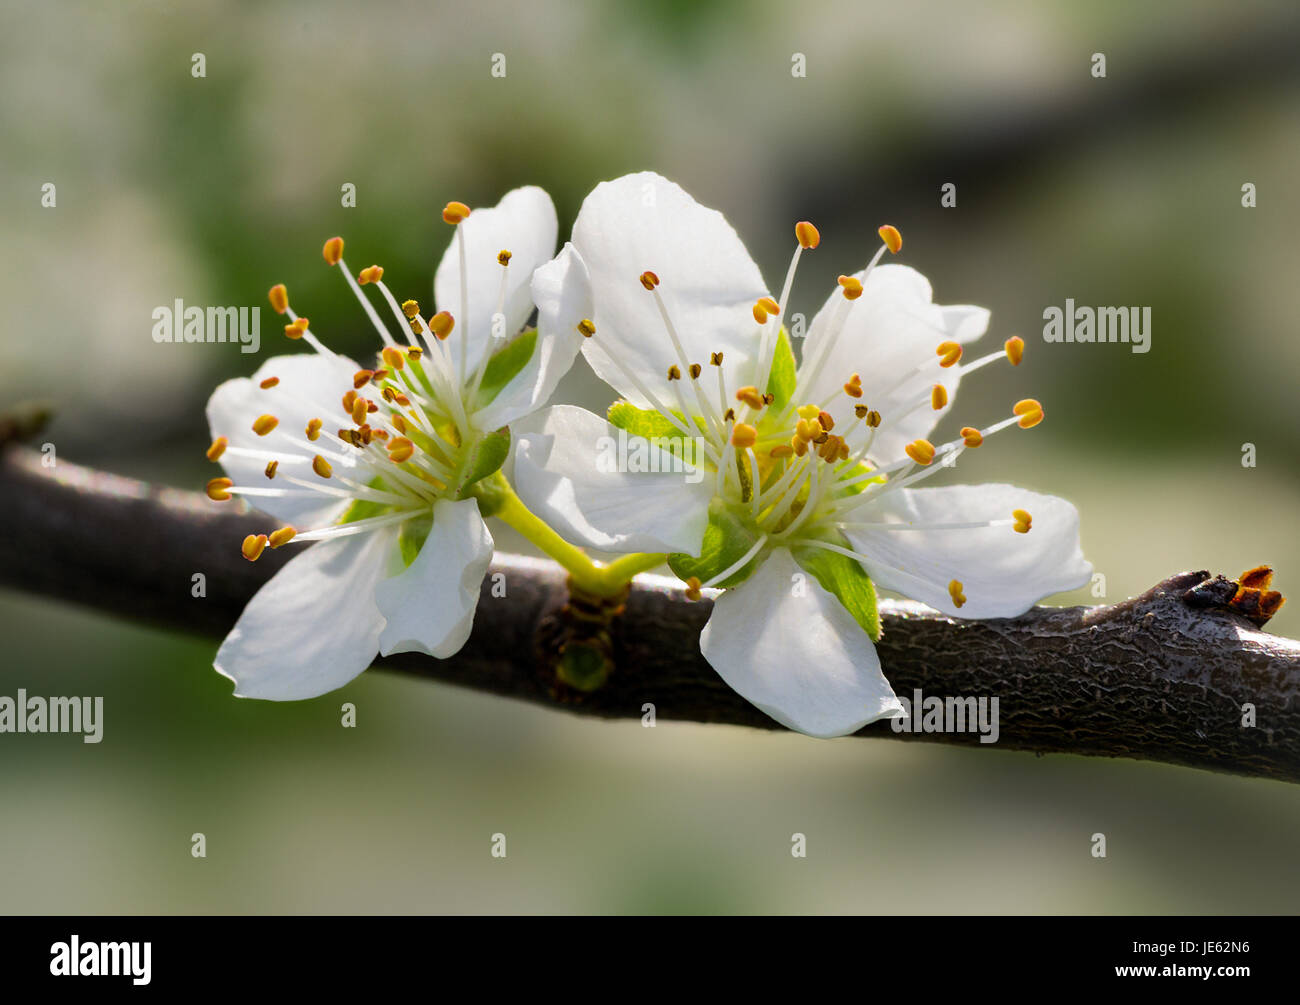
(1151, 678)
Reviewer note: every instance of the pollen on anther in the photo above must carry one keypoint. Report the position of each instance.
(892, 238)
(313, 428)
(921, 451)
(853, 386)
(400, 450)
(586, 328)
(333, 251)
(455, 212)
(218, 448)
(971, 436)
(649, 280)
(321, 466)
(271, 467)
(715, 359)
(371, 275)
(269, 383)
(279, 538)
(807, 235)
(693, 588)
(781, 450)
(263, 424)
(744, 435)
(750, 396)
(1015, 349)
(955, 591)
(253, 546)
(852, 287)
(393, 357)
(696, 369)
(441, 324)
(949, 353)
(361, 378)
(1030, 412)
(674, 372)
(217, 489)
(411, 308)
(503, 257)
(1023, 521)
(938, 397)
(279, 297)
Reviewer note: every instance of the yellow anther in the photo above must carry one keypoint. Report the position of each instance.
(279, 538)
(360, 406)
(807, 411)
(693, 588)
(217, 489)
(333, 251)
(852, 287)
(949, 353)
(715, 359)
(394, 357)
(279, 297)
(955, 591)
(1030, 412)
(938, 397)
(825, 421)
(441, 324)
(296, 329)
(674, 372)
(586, 328)
(271, 468)
(921, 451)
(649, 280)
(873, 418)
(781, 450)
(729, 415)
(218, 448)
(770, 305)
(760, 315)
(269, 383)
(1015, 347)
(398, 423)
(411, 308)
(313, 429)
(321, 466)
(348, 399)
(750, 396)
(892, 238)
(1023, 521)
(503, 257)
(971, 436)
(361, 378)
(253, 546)
(382, 373)
(370, 275)
(454, 212)
(799, 446)
(696, 369)
(853, 386)
(413, 353)
(807, 429)
(263, 424)
(744, 436)
(400, 450)
(807, 235)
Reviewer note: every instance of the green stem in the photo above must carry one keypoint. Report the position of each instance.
(602, 581)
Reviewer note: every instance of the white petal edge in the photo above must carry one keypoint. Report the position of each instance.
(644, 222)
(790, 648)
(314, 625)
(523, 223)
(430, 607)
(1003, 573)
(558, 475)
(562, 292)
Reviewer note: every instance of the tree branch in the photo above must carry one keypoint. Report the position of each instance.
(1151, 678)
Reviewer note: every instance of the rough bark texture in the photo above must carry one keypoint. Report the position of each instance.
(1150, 678)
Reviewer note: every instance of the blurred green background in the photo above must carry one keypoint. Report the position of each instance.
(1117, 191)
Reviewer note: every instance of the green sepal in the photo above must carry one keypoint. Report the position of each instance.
(726, 540)
(649, 424)
(485, 458)
(412, 536)
(846, 580)
(505, 365)
(781, 381)
(491, 493)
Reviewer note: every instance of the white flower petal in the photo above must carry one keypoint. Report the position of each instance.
(1002, 573)
(642, 222)
(789, 647)
(311, 386)
(314, 625)
(892, 328)
(430, 607)
(563, 475)
(523, 223)
(562, 292)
